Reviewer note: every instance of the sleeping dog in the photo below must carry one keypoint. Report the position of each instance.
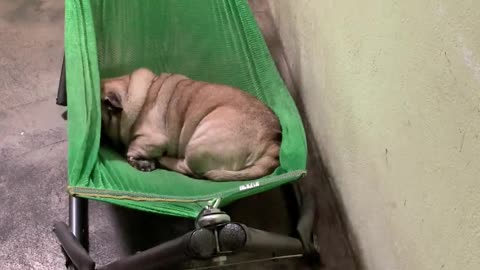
(200, 129)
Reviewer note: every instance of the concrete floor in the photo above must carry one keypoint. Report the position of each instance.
(33, 157)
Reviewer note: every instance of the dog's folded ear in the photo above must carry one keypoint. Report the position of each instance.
(113, 102)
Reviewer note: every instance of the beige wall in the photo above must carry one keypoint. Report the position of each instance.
(392, 90)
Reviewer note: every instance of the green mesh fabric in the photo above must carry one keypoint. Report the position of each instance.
(210, 40)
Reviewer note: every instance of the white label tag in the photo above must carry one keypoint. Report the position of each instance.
(249, 186)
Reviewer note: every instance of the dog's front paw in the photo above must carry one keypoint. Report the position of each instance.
(144, 165)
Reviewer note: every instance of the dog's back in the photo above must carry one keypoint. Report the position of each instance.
(222, 132)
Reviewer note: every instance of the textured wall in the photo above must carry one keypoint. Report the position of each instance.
(392, 89)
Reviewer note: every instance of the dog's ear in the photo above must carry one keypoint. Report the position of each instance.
(113, 102)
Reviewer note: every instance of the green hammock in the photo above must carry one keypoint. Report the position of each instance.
(211, 40)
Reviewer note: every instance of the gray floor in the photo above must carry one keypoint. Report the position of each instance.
(33, 152)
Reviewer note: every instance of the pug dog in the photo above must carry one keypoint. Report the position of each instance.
(203, 130)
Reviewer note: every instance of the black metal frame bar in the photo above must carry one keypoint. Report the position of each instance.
(194, 244)
(201, 243)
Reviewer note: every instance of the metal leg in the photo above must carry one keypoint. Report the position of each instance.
(301, 208)
(305, 229)
(74, 238)
(78, 219)
(293, 205)
(77, 256)
(163, 256)
(62, 87)
(259, 241)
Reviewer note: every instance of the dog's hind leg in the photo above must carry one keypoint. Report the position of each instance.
(175, 164)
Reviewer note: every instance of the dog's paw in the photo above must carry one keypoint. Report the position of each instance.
(144, 165)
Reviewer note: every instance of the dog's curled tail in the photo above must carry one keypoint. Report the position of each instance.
(262, 167)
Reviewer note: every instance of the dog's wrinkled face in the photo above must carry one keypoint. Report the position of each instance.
(113, 94)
